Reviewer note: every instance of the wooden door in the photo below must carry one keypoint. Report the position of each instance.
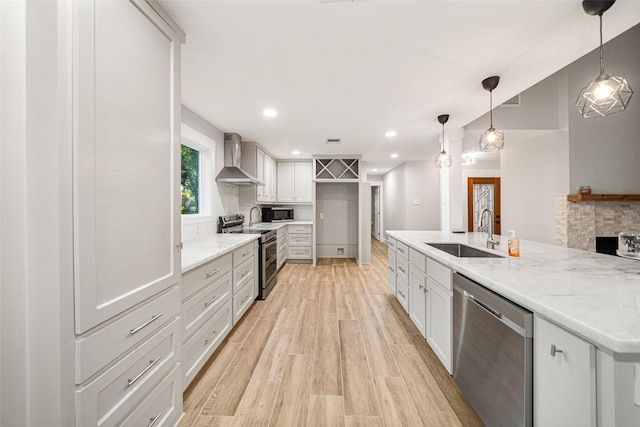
(483, 193)
(126, 143)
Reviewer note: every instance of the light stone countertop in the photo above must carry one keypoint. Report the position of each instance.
(203, 249)
(595, 296)
(279, 224)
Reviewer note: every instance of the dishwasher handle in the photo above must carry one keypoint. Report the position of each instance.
(493, 312)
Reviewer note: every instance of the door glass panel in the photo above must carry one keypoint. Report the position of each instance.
(483, 198)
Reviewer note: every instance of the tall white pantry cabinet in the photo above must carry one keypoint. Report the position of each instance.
(90, 298)
(126, 166)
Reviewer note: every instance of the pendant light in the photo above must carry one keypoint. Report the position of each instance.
(443, 160)
(606, 94)
(492, 139)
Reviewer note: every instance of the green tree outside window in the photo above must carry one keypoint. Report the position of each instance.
(190, 180)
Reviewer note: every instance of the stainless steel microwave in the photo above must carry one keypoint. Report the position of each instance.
(277, 214)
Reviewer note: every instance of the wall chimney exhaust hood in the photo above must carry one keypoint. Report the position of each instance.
(232, 173)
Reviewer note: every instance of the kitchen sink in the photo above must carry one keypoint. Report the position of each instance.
(463, 251)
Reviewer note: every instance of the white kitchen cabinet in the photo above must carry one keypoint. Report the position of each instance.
(402, 275)
(282, 236)
(391, 280)
(269, 179)
(126, 217)
(299, 242)
(260, 164)
(418, 299)
(564, 382)
(295, 182)
(439, 331)
(245, 277)
(260, 189)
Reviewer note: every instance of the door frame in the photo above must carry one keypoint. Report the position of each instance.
(381, 206)
(496, 201)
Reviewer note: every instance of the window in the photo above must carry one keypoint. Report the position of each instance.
(190, 180)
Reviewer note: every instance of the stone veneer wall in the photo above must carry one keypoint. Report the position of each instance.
(578, 223)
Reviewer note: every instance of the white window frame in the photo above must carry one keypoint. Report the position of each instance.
(205, 145)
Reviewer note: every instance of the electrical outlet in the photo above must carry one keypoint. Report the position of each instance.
(340, 251)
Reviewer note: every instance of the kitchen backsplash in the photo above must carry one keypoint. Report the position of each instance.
(578, 223)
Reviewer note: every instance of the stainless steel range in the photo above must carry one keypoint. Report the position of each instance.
(267, 253)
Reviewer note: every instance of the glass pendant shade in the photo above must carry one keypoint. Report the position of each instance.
(604, 95)
(443, 159)
(492, 140)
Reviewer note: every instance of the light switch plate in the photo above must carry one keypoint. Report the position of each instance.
(416, 202)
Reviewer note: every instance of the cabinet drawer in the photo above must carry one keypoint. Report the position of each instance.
(402, 268)
(298, 229)
(198, 278)
(299, 252)
(439, 273)
(242, 274)
(242, 301)
(299, 239)
(243, 253)
(282, 243)
(402, 294)
(392, 243)
(163, 407)
(402, 249)
(418, 260)
(392, 280)
(95, 351)
(108, 399)
(198, 309)
(200, 346)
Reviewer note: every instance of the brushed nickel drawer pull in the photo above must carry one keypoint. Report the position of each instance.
(402, 269)
(245, 253)
(208, 303)
(555, 350)
(401, 250)
(132, 381)
(400, 292)
(148, 322)
(244, 274)
(153, 420)
(211, 337)
(213, 272)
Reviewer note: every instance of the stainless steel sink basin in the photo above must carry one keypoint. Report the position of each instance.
(463, 251)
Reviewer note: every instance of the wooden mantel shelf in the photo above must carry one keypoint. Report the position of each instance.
(603, 197)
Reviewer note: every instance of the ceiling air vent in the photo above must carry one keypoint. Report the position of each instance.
(513, 102)
(333, 141)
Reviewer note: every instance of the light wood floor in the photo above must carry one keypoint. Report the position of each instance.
(329, 347)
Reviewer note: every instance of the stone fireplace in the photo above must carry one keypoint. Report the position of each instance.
(578, 224)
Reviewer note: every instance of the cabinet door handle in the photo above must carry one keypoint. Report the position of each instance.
(208, 303)
(211, 337)
(213, 272)
(390, 268)
(244, 274)
(402, 269)
(245, 253)
(148, 322)
(153, 420)
(420, 286)
(555, 350)
(132, 381)
(400, 292)
(401, 250)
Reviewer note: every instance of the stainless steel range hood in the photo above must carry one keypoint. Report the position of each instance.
(232, 173)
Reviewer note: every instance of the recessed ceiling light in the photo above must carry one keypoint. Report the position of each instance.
(374, 170)
(295, 152)
(394, 155)
(269, 112)
(390, 134)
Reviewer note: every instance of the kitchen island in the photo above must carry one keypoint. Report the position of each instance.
(592, 299)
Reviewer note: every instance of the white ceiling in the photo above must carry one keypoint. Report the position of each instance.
(353, 70)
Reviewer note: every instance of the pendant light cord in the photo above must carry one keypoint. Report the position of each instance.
(491, 107)
(443, 137)
(601, 61)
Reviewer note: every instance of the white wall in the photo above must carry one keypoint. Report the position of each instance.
(337, 203)
(224, 197)
(395, 199)
(532, 173)
(605, 151)
(422, 184)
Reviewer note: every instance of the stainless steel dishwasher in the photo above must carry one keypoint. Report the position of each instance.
(492, 354)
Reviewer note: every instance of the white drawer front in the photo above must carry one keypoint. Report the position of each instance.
(95, 351)
(402, 249)
(198, 278)
(299, 252)
(299, 239)
(418, 260)
(402, 268)
(402, 294)
(108, 399)
(242, 301)
(243, 253)
(163, 407)
(392, 243)
(439, 273)
(198, 309)
(242, 274)
(200, 346)
(300, 229)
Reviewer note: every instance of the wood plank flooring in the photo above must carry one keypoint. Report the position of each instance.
(329, 347)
